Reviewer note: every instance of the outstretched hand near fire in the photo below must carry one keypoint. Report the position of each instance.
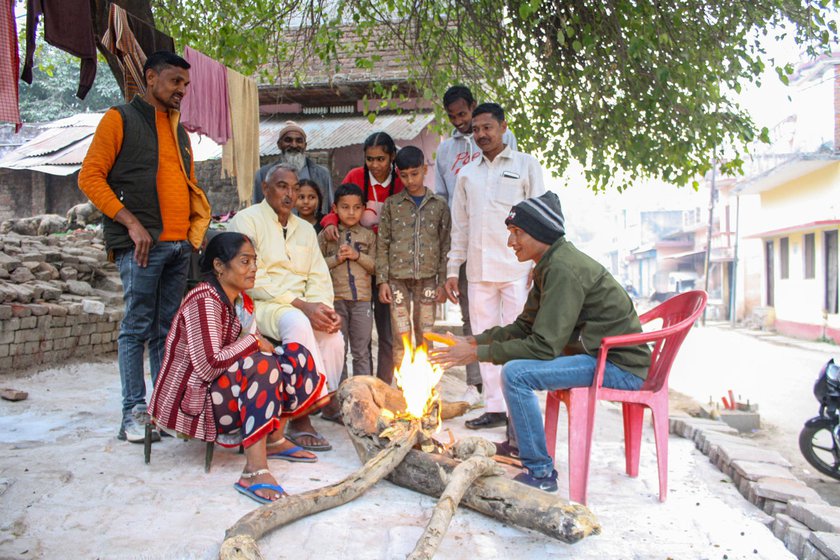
(461, 353)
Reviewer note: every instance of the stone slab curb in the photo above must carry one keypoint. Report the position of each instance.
(808, 527)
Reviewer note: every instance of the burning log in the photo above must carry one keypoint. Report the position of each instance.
(476, 453)
(241, 539)
(365, 405)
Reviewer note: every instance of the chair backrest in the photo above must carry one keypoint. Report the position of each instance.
(678, 315)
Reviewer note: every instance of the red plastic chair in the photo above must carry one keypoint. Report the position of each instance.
(678, 314)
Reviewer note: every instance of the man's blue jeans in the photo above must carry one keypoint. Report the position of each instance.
(520, 378)
(152, 295)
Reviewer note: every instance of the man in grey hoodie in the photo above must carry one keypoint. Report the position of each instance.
(454, 153)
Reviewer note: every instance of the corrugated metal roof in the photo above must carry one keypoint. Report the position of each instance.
(329, 133)
(62, 146)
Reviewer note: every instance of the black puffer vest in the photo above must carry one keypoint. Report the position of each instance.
(133, 176)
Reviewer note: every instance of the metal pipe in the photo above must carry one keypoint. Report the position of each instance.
(709, 232)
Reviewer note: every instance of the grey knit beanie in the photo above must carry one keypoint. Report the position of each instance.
(540, 217)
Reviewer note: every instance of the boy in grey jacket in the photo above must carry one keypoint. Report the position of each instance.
(411, 251)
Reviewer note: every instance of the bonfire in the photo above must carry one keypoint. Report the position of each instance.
(393, 432)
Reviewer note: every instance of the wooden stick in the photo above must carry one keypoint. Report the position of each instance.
(462, 477)
(364, 397)
(240, 539)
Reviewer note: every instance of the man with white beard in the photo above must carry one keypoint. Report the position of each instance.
(292, 145)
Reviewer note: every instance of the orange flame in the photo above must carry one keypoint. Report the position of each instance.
(417, 377)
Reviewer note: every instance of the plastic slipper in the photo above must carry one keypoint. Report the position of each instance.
(251, 491)
(295, 436)
(333, 418)
(289, 455)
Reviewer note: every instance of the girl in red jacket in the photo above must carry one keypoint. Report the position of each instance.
(378, 180)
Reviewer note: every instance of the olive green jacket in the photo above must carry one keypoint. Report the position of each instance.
(413, 241)
(574, 303)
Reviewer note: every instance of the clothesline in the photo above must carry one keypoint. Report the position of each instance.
(222, 103)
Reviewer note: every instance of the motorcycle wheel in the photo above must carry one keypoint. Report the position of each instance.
(819, 449)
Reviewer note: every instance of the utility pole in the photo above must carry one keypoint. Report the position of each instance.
(709, 231)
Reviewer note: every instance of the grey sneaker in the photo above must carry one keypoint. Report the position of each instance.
(133, 428)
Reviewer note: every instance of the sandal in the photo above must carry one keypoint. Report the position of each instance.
(322, 445)
(251, 491)
(290, 454)
(333, 417)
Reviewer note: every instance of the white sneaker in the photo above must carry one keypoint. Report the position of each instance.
(471, 396)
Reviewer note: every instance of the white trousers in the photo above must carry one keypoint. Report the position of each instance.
(327, 349)
(494, 304)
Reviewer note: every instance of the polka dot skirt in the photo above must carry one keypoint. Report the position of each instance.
(256, 391)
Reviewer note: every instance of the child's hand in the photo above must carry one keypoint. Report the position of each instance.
(440, 294)
(385, 295)
(347, 252)
(331, 233)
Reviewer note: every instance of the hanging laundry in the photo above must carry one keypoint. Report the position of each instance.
(9, 65)
(205, 107)
(150, 39)
(68, 25)
(241, 154)
(119, 39)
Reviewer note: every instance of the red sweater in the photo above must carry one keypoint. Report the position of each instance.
(357, 177)
(202, 344)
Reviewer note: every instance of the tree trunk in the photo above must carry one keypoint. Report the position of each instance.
(362, 400)
(241, 539)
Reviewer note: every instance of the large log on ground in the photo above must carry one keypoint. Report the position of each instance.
(363, 399)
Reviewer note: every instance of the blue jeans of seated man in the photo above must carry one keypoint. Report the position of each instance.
(520, 378)
(152, 295)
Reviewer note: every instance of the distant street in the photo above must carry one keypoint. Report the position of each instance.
(776, 372)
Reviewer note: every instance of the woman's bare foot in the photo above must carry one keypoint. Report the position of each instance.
(261, 476)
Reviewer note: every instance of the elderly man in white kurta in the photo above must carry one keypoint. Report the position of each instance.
(485, 191)
(293, 294)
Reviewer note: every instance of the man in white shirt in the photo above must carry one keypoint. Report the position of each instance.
(485, 191)
(292, 293)
(452, 155)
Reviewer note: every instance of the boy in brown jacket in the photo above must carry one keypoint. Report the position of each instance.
(412, 248)
(351, 261)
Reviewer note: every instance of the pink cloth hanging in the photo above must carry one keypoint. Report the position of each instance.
(9, 65)
(205, 107)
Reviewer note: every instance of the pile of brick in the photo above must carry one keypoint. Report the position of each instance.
(59, 298)
(797, 515)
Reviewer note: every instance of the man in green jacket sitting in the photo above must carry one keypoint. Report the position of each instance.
(553, 344)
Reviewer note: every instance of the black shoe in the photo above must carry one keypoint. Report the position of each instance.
(546, 483)
(487, 420)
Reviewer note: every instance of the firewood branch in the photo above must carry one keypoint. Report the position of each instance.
(240, 539)
(476, 466)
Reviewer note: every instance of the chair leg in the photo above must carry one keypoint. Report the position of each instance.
(580, 442)
(552, 410)
(661, 433)
(208, 456)
(634, 415)
(147, 443)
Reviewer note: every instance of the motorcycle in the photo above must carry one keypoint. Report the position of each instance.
(819, 440)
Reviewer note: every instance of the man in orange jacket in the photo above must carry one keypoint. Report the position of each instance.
(139, 172)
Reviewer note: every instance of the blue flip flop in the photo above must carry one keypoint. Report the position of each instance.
(251, 491)
(289, 455)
